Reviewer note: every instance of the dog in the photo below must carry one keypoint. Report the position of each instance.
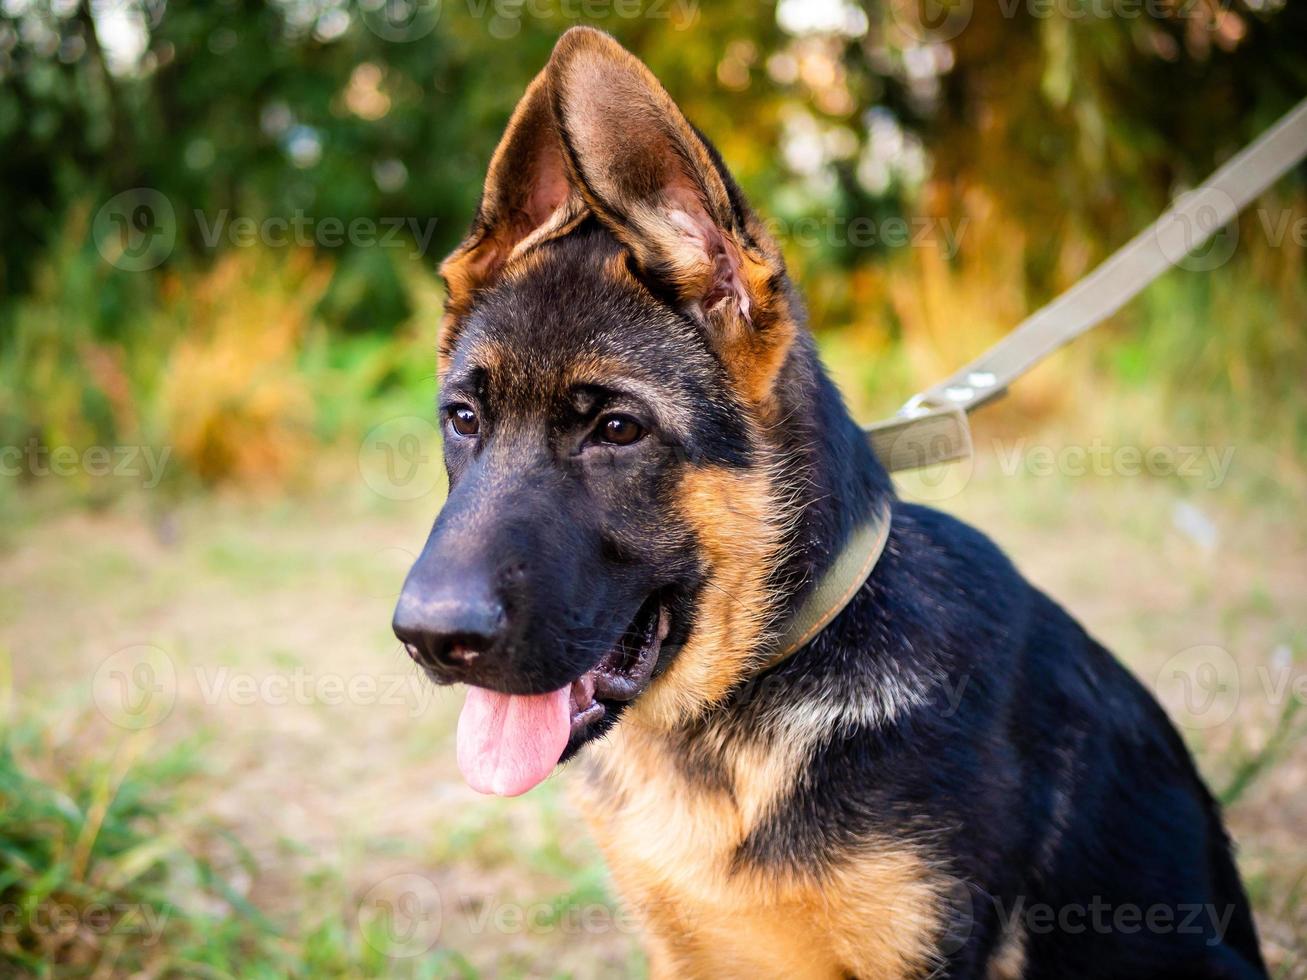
(651, 480)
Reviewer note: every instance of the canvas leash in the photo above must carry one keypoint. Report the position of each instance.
(932, 427)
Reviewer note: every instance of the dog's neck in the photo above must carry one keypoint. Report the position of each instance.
(826, 452)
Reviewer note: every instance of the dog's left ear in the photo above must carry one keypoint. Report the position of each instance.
(649, 176)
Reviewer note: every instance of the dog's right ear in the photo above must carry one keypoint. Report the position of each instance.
(526, 196)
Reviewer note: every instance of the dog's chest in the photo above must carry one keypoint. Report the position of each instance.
(672, 845)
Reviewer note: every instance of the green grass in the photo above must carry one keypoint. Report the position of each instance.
(104, 872)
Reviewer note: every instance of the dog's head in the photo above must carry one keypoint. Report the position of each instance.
(616, 325)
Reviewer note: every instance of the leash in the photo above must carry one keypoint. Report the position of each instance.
(932, 426)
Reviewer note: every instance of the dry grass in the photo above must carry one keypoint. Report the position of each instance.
(332, 791)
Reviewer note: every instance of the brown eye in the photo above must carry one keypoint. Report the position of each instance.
(464, 421)
(620, 430)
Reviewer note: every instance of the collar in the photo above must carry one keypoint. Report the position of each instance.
(835, 590)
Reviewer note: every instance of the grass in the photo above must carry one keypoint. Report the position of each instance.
(306, 832)
(105, 869)
(296, 811)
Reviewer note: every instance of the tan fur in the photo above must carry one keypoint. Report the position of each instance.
(654, 183)
(671, 843)
(526, 198)
(670, 846)
(739, 523)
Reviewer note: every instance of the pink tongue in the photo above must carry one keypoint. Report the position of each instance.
(508, 743)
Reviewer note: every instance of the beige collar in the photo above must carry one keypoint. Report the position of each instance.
(836, 589)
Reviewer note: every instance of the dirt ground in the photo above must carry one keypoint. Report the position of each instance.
(262, 630)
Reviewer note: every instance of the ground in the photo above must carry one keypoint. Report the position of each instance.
(258, 634)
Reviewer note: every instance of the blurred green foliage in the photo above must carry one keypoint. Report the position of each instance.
(1024, 138)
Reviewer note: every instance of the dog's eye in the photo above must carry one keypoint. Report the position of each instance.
(464, 420)
(620, 430)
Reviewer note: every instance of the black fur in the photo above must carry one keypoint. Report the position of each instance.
(979, 721)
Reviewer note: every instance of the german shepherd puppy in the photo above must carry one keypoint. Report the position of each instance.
(649, 472)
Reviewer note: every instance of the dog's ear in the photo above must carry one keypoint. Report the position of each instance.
(648, 175)
(526, 196)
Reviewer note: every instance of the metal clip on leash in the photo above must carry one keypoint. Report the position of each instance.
(932, 427)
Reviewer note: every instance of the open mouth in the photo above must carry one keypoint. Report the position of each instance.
(624, 671)
(508, 743)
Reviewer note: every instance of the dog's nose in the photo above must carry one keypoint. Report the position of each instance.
(447, 625)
